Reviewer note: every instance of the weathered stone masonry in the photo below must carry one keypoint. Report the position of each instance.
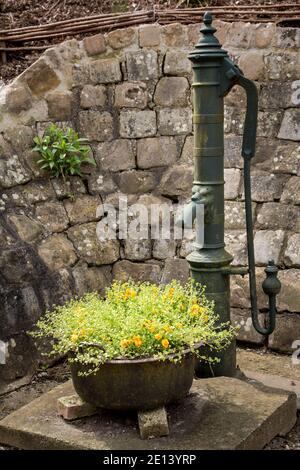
(128, 92)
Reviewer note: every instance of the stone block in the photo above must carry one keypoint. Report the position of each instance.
(95, 125)
(92, 96)
(235, 217)
(60, 105)
(137, 181)
(290, 128)
(94, 45)
(177, 181)
(175, 35)
(41, 77)
(291, 192)
(268, 245)
(81, 74)
(187, 150)
(153, 423)
(137, 250)
(241, 318)
(116, 156)
(289, 296)
(286, 158)
(121, 38)
(286, 38)
(12, 172)
(20, 137)
(91, 278)
(149, 35)
(18, 264)
(292, 251)
(100, 183)
(286, 332)
(163, 249)
(18, 98)
(52, 216)
(142, 65)
(187, 244)
(172, 91)
(240, 35)
(263, 35)
(57, 252)
(157, 151)
(134, 124)
(105, 71)
(273, 215)
(277, 94)
(174, 121)
(177, 269)
(232, 151)
(27, 229)
(265, 186)
(177, 63)
(66, 188)
(268, 123)
(252, 64)
(131, 95)
(72, 407)
(141, 272)
(82, 208)
(236, 244)
(36, 191)
(93, 250)
(239, 293)
(232, 177)
(282, 66)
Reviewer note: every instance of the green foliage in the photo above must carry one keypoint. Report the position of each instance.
(135, 320)
(61, 151)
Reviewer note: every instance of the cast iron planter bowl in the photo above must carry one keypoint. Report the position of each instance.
(135, 384)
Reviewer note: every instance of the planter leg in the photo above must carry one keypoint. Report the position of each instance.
(72, 407)
(153, 423)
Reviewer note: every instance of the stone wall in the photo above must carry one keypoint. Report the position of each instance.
(128, 92)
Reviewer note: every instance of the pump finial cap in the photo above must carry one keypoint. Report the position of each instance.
(207, 18)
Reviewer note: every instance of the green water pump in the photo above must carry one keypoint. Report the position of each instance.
(214, 74)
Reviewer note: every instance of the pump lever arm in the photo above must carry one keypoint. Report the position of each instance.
(271, 284)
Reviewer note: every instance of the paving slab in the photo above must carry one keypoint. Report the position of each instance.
(219, 413)
(275, 381)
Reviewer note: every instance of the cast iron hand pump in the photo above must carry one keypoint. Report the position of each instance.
(214, 75)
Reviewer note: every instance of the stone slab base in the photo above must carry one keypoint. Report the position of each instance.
(219, 413)
(275, 381)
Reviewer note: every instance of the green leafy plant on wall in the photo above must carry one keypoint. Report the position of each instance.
(62, 151)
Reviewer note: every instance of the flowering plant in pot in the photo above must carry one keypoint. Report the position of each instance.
(135, 348)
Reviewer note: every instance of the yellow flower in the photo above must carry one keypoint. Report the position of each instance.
(82, 332)
(129, 293)
(137, 341)
(179, 325)
(167, 328)
(171, 292)
(165, 343)
(74, 337)
(157, 337)
(151, 328)
(205, 317)
(124, 343)
(195, 310)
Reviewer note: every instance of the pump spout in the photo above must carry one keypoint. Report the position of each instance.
(195, 208)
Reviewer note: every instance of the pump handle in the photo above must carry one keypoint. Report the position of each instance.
(271, 284)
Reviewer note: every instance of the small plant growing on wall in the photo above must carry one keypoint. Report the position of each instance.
(62, 151)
